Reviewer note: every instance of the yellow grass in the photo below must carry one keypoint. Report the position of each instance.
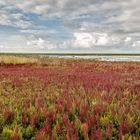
(14, 60)
(6, 59)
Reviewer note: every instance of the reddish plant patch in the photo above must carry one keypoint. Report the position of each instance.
(72, 100)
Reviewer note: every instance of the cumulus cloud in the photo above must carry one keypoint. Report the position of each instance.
(1, 48)
(41, 43)
(98, 39)
(84, 40)
(136, 44)
(92, 40)
(128, 39)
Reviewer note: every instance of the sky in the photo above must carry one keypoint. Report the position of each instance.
(97, 26)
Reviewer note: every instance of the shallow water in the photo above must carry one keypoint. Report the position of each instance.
(102, 58)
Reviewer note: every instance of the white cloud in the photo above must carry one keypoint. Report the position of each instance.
(91, 40)
(40, 43)
(128, 39)
(84, 40)
(96, 39)
(103, 39)
(136, 44)
(1, 46)
(29, 43)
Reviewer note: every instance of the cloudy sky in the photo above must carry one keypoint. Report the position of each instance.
(70, 26)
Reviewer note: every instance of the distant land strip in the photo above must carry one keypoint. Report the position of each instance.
(73, 54)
